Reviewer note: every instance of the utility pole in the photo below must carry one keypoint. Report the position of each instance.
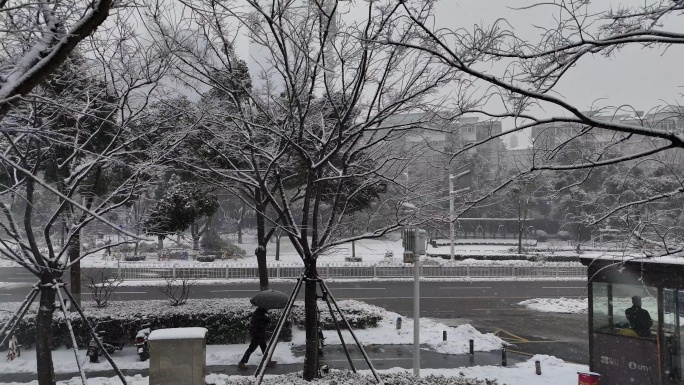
(452, 217)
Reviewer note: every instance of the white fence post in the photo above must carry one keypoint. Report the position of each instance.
(375, 271)
(278, 271)
(227, 272)
(174, 271)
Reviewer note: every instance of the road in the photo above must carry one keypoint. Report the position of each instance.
(489, 306)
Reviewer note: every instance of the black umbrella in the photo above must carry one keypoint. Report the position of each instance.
(270, 299)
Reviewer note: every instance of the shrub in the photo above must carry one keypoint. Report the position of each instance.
(212, 243)
(206, 258)
(564, 235)
(352, 259)
(347, 377)
(542, 236)
(134, 258)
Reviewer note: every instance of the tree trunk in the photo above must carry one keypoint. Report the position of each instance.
(520, 231)
(195, 236)
(239, 224)
(277, 256)
(75, 270)
(262, 241)
(44, 365)
(310, 321)
(160, 242)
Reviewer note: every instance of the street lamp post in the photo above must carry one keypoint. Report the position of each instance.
(416, 309)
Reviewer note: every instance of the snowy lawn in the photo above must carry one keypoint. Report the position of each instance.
(370, 250)
(557, 305)
(554, 371)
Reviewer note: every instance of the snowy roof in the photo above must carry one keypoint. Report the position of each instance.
(177, 334)
(665, 260)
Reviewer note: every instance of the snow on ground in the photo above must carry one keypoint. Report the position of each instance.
(554, 371)
(557, 305)
(370, 250)
(128, 359)
(385, 333)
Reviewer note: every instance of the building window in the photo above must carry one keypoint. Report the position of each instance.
(666, 125)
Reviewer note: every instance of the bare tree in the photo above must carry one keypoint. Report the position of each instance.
(35, 39)
(78, 138)
(101, 288)
(177, 290)
(312, 139)
(617, 135)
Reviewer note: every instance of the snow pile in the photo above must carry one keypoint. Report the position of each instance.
(557, 305)
(554, 371)
(386, 333)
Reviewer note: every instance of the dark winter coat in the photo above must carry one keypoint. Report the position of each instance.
(259, 323)
(640, 320)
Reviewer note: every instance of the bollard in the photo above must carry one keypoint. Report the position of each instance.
(398, 323)
(444, 336)
(472, 347)
(503, 356)
(537, 367)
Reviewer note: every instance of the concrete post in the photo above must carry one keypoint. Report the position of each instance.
(178, 356)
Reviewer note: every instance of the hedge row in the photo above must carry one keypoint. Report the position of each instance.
(227, 320)
(509, 257)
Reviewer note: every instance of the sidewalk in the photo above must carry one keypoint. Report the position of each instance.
(382, 357)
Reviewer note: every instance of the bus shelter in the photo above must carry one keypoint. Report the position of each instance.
(635, 329)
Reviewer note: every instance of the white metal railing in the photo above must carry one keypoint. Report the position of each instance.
(228, 271)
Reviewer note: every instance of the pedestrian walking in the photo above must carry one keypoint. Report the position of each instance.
(258, 333)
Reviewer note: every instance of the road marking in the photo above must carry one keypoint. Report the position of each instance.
(515, 338)
(465, 287)
(130, 292)
(235, 290)
(360, 288)
(374, 359)
(5, 294)
(564, 287)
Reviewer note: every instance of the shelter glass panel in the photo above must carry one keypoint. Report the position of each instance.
(672, 327)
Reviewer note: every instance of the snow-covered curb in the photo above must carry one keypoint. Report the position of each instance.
(140, 283)
(557, 305)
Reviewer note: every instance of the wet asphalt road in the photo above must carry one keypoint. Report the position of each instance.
(489, 306)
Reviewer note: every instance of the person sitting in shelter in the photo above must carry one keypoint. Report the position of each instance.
(639, 319)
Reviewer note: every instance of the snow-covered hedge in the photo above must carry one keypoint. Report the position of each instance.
(227, 320)
(359, 314)
(345, 377)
